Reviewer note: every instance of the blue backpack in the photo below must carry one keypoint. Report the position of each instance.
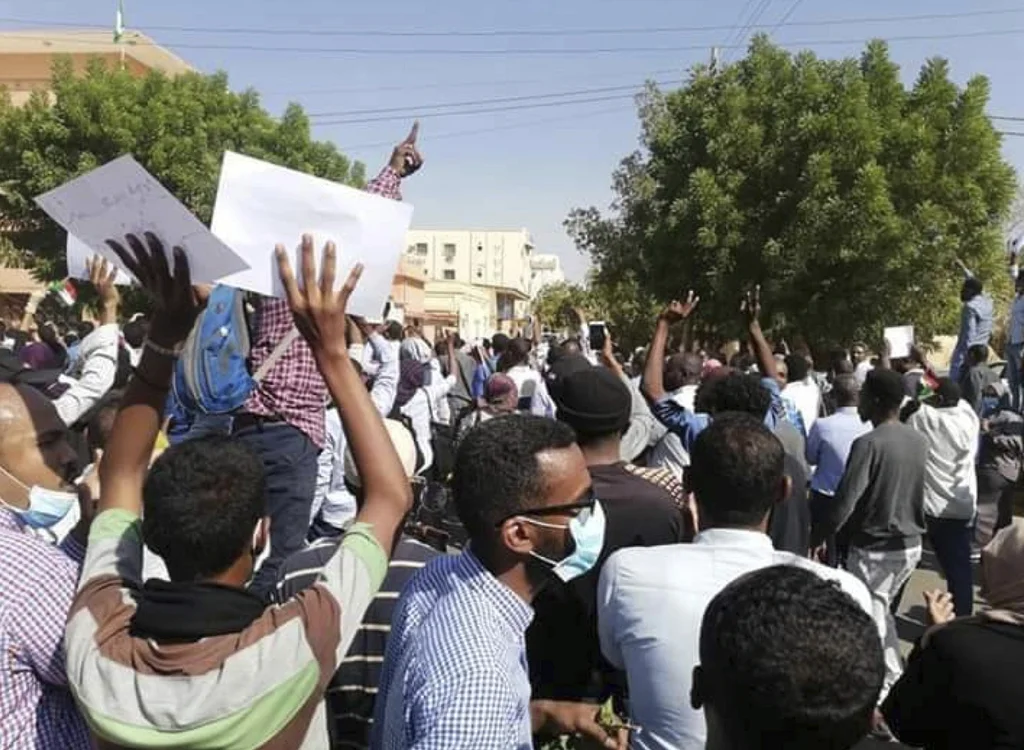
(212, 374)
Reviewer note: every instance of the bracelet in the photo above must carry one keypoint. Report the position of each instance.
(162, 351)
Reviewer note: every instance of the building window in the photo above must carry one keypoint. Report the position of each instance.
(479, 273)
(449, 274)
(479, 247)
(449, 253)
(421, 248)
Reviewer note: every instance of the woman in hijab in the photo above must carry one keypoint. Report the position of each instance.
(962, 686)
(501, 397)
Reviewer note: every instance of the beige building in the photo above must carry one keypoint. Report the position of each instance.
(545, 270)
(26, 57)
(462, 267)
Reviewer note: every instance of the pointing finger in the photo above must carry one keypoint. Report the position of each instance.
(413, 134)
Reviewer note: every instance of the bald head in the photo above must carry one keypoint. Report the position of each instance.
(846, 390)
(34, 448)
(683, 369)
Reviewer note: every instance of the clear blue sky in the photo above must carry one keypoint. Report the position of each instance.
(523, 168)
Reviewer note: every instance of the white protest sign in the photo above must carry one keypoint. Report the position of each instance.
(900, 339)
(261, 204)
(122, 198)
(78, 255)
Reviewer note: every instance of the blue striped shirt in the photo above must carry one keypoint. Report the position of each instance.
(455, 674)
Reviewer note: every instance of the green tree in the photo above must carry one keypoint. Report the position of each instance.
(555, 303)
(178, 128)
(846, 195)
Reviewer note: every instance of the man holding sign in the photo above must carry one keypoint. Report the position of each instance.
(283, 420)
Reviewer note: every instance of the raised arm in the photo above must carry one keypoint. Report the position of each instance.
(319, 314)
(653, 386)
(130, 448)
(750, 307)
(99, 368)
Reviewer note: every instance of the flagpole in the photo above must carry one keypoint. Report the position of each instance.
(119, 31)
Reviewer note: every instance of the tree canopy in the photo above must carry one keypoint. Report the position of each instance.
(178, 128)
(845, 194)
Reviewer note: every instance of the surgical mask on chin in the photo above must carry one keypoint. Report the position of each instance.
(587, 532)
(46, 507)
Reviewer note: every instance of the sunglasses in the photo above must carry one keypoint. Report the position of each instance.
(584, 505)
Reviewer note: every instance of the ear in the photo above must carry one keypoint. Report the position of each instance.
(261, 536)
(785, 487)
(697, 696)
(516, 536)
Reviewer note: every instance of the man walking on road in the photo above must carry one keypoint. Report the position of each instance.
(878, 509)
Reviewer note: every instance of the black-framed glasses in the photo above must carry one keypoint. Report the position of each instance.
(586, 502)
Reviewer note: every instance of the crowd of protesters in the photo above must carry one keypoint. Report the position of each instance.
(396, 543)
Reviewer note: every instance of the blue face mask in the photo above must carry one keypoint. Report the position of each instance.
(587, 532)
(46, 507)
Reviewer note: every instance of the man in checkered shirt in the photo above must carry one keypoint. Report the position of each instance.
(283, 420)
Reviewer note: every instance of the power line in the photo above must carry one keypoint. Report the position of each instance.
(480, 102)
(745, 28)
(1009, 119)
(395, 114)
(548, 50)
(786, 16)
(458, 84)
(498, 128)
(485, 111)
(469, 34)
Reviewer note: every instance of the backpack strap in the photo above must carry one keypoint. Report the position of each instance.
(276, 354)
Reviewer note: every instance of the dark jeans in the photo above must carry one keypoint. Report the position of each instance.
(820, 506)
(289, 466)
(951, 541)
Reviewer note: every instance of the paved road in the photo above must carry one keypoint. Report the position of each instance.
(912, 614)
(912, 617)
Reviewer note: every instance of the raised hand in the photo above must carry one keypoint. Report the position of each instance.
(677, 310)
(405, 159)
(101, 276)
(940, 606)
(318, 310)
(175, 306)
(750, 305)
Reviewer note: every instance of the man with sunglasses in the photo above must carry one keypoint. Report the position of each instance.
(455, 672)
(642, 508)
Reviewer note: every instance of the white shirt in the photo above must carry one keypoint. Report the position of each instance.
(332, 496)
(861, 371)
(686, 397)
(94, 375)
(541, 403)
(950, 483)
(807, 399)
(650, 605)
(422, 409)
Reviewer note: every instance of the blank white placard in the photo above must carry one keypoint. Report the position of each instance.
(900, 339)
(260, 205)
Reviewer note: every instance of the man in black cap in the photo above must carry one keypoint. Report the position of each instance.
(642, 509)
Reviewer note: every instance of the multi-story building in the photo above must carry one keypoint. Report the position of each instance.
(477, 281)
(545, 270)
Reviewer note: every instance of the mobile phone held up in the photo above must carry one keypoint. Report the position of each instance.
(598, 333)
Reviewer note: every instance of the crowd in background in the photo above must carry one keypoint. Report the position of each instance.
(398, 543)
